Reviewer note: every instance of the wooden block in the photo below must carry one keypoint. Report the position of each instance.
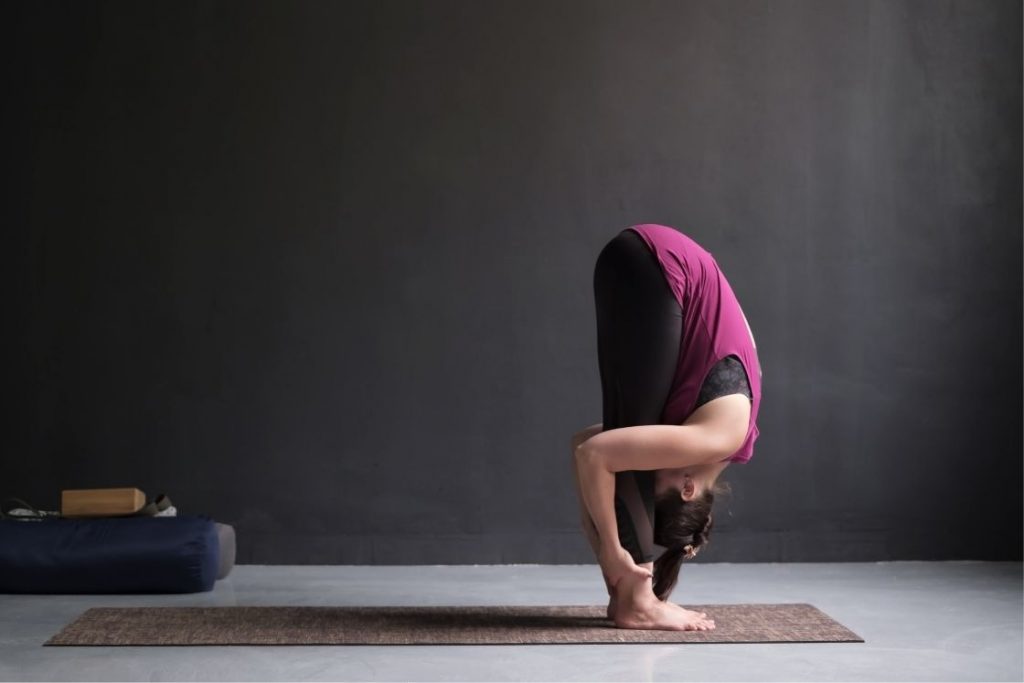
(101, 502)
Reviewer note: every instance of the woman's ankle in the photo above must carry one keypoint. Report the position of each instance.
(635, 614)
(635, 596)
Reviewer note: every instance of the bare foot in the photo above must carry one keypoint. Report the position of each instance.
(656, 615)
(689, 613)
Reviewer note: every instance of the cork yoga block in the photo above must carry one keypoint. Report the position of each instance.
(101, 502)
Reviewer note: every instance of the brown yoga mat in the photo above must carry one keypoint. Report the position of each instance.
(445, 625)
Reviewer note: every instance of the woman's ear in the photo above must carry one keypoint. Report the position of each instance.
(689, 488)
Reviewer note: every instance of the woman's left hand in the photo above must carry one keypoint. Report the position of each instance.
(617, 563)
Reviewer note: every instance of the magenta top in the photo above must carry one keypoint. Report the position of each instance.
(714, 325)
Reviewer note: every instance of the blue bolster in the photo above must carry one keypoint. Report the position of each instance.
(109, 555)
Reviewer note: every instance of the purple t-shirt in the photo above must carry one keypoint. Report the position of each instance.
(714, 326)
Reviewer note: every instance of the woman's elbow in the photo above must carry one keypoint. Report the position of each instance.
(587, 456)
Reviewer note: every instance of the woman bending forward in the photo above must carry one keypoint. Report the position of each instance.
(681, 389)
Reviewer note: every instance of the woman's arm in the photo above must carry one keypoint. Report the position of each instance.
(587, 524)
(590, 531)
(597, 487)
(641, 447)
(655, 447)
(597, 491)
(578, 439)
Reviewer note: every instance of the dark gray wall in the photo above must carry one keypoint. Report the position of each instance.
(323, 270)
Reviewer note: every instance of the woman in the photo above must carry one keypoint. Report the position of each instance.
(680, 402)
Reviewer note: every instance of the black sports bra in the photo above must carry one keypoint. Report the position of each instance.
(725, 377)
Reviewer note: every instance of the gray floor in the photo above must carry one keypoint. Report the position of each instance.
(920, 621)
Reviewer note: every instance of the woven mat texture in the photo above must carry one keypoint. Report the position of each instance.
(443, 625)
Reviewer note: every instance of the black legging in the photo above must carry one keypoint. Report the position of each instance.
(639, 329)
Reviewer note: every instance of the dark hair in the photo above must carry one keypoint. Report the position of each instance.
(682, 527)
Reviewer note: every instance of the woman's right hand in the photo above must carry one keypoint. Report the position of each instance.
(617, 563)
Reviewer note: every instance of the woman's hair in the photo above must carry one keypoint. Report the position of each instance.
(682, 527)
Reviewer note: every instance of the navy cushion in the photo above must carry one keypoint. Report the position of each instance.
(109, 555)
